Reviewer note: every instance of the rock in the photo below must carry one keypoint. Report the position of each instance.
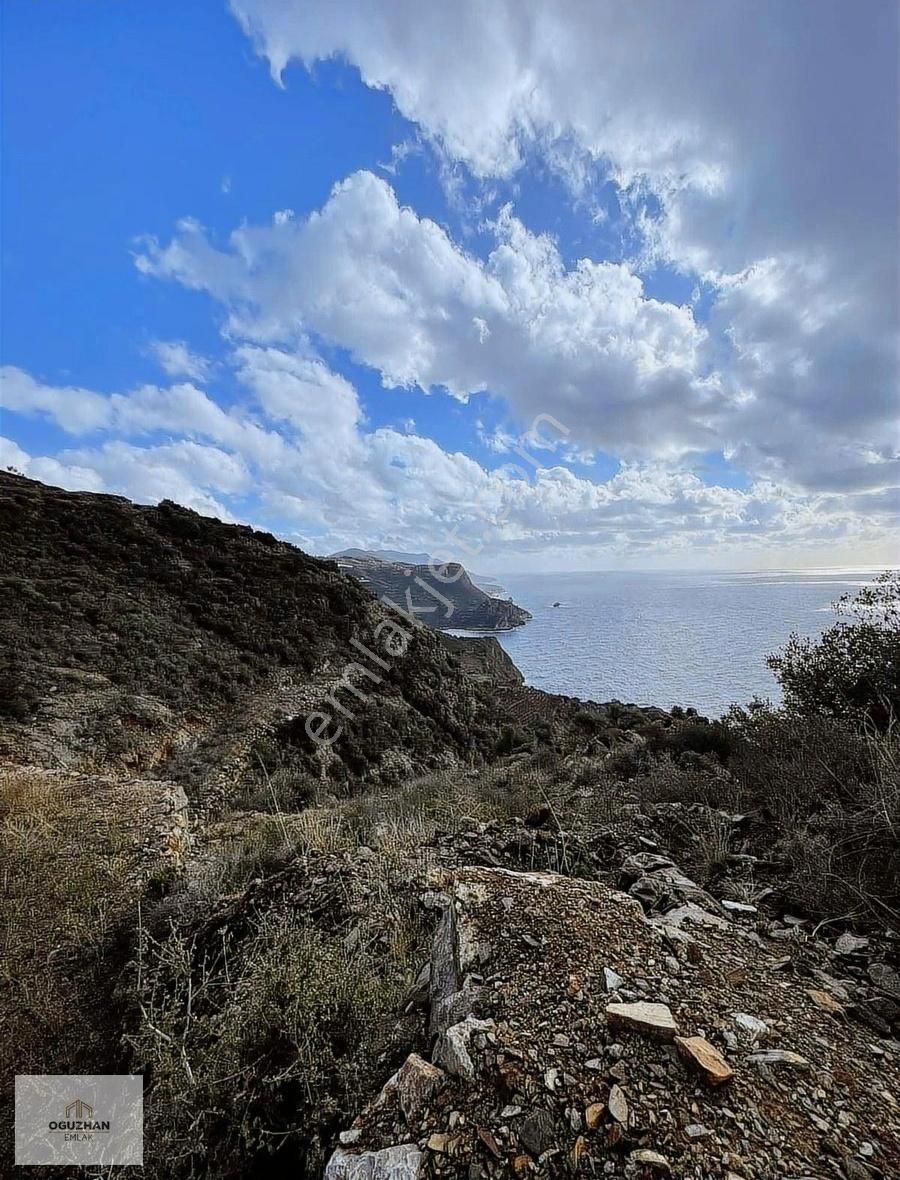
(593, 1115)
(706, 1058)
(442, 1143)
(687, 913)
(618, 1105)
(651, 1159)
(697, 1131)
(417, 1082)
(348, 1138)
(778, 1057)
(752, 1026)
(510, 1111)
(612, 979)
(739, 907)
(654, 1019)
(404, 1162)
(885, 978)
(825, 1001)
(850, 944)
(453, 1047)
(490, 1142)
(538, 1132)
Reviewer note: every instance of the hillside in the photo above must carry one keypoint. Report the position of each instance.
(133, 635)
(144, 639)
(486, 931)
(445, 595)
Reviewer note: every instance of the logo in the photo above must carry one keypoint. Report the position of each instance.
(79, 1119)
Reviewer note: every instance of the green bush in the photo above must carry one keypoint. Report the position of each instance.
(262, 1049)
(853, 670)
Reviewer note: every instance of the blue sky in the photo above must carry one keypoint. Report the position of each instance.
(301, 265)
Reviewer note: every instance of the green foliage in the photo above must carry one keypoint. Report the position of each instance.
(262, 1047)
(853, 670)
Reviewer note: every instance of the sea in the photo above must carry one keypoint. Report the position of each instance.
(691, 639)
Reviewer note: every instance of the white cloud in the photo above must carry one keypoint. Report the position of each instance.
(298, 453)
(584, 344)
(76, 410)
(770, 121)
(766, 136)
(788, 375)
(176, 359)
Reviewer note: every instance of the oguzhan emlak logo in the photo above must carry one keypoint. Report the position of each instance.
(79, 1122)
(76, 1120)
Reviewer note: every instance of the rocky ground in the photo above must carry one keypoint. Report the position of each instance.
(573, 1031)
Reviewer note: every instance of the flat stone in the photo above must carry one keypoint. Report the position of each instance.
(706, 1058)
(618, 1105)
(612, 979)
(825, 1001)
(654, 1019)
(739, 907)
(650, 1159)
(849, 944)
(885, 978)
(404, 1162)
(751, 1025)
(538, 1133)
(777, 1057)
(442, 1144)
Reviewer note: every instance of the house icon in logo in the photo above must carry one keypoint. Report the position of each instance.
(79, 1110)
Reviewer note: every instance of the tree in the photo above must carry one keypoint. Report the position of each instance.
(853, 670)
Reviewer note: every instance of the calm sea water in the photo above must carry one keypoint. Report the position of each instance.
(666, 638)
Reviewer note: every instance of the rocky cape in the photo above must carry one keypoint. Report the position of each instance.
(444, 594)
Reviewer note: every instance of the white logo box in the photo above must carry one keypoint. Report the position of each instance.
(80, 1119)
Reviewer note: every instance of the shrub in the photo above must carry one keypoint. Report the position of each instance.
(853, 670)
(262, 1049)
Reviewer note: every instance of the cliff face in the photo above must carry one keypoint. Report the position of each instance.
(445, 595)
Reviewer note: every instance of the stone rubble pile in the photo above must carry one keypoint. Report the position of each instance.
(573, 1033)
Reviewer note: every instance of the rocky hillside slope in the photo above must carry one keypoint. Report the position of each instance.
(489, 932)
(149, 638)
(573, 1034)
(446, 595)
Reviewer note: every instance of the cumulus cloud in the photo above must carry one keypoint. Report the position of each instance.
(176, 359)
(585, 344)
(762, 126)
(751, 147)
(767, 135)
(297, 455)
(787, 374)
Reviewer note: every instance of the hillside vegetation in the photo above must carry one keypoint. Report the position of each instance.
(405, 956)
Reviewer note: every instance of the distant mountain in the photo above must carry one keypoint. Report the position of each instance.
(445, 596)
(486, 582)
(385, 555)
